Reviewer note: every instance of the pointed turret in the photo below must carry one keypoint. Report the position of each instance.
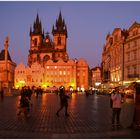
(60, 26)
(37, 26)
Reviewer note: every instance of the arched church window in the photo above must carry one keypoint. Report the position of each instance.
(46, 58)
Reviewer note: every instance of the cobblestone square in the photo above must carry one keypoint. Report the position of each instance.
(90, 117)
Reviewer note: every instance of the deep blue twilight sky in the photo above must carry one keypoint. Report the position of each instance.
(87, 22)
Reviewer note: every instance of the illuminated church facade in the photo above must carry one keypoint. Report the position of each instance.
(48, 61)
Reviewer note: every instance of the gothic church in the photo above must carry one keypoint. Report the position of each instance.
(42, 48)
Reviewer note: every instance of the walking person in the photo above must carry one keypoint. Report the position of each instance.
(24, 106)
(116, 107)
(63, 101)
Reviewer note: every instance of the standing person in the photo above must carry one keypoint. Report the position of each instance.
(63, 101)
(37, 92)
(116, 107)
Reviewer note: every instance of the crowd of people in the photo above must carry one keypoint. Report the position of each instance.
(25, 99)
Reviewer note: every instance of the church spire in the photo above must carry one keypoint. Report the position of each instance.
(60, 26)
(37, 26)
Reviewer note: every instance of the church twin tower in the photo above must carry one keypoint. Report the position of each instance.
(42, 48)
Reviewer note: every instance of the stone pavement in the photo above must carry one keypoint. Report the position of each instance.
(90, 117)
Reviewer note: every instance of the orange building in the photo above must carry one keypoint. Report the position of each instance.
(7, 67)
(48, 61)
(54, 74)
(96, 76)
(121, 56)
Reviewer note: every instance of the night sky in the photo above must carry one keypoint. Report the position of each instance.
(87, 23)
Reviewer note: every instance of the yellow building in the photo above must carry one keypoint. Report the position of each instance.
(48, 61)
(7, 67)
(54, 74)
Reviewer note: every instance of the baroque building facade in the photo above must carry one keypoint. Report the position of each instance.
(48, 61)
(132, 54)
(96, 77)
(120, 64)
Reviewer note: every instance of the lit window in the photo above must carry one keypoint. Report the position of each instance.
(55, 67)
(60, 72)
(64, 73)
(47, 67)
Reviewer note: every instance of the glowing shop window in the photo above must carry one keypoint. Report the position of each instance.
(64, 73)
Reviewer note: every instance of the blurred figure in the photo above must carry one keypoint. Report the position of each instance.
(87, 93)
(116, 107)
(24, 106)
(37, 91)
(63, 101)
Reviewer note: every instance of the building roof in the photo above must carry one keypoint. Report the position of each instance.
(2, 56)
(95, 68)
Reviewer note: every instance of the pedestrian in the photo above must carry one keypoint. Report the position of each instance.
(24, 106)
(87, 93)
(116, 107)
(37, 91)
(63, 101)
(29, 94)
(40, 90)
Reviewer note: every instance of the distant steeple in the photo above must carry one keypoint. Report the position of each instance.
(60, 26)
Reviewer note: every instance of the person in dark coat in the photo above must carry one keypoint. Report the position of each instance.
(24, 102)
(63, 101)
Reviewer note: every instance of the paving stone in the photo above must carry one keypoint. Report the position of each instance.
(89, 118)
